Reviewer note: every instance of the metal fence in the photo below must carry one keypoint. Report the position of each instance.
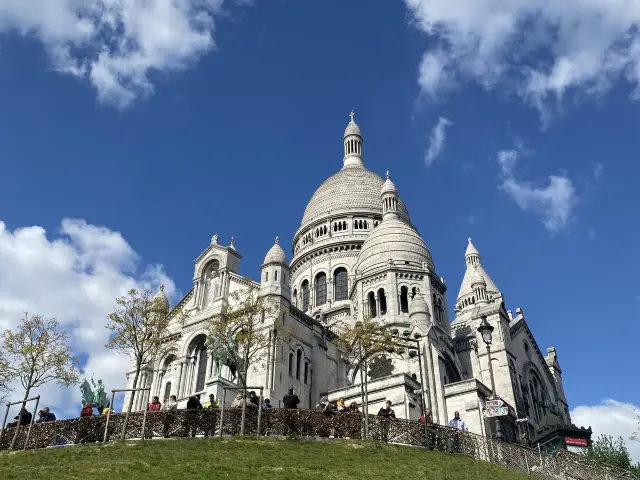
(312, 423)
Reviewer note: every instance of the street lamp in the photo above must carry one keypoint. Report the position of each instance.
(486, 331)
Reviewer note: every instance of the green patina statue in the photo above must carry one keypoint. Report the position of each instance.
(96, 396)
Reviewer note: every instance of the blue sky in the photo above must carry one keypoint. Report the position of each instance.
(172, 139)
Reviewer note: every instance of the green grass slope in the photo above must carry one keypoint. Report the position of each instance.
(255, 459)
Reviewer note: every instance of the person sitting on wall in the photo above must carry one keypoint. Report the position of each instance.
(155, 405)
(212, 403)
(253, 398)
(45, 415)
(23, 418)
(87, 410)
(170, 405)
(267, 404)
(353, 408)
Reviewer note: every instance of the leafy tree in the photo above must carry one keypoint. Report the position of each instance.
(240, 337)
(608, 451)
(38, 353)
(5, 377)
(140, 325)
(360, 342)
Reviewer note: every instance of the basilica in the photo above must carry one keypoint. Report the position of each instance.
(357, 254)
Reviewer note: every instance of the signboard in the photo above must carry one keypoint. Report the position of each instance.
(497, 411)
(578, 442)
(495, 403)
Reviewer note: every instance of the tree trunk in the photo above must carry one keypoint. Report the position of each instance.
(131, 399)
(24, 402)
(366, 416)
(366, 398)
(243, 383)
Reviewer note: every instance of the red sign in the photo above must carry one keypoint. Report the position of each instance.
(579, 442)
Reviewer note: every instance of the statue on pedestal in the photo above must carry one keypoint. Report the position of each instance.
(96, 396)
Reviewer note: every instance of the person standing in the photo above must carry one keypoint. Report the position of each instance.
(460, 426)
(290, 400)
(170, 406)
(387, 415)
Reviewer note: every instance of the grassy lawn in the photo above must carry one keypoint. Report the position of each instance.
(254, 459)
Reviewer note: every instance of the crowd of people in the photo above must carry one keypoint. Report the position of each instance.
(289, 401)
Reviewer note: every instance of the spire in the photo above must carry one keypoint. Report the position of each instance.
(352, 144)
(475, 276)
(389, 199)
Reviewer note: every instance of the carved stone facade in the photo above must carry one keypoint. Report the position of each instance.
(357, 254)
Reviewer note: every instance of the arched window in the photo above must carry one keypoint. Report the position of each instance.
(306, 373)
(404, 299)
(344, 225)
(298, 363)
(295, 297)
(341, 284)
(321, 288)
(266, 276)
(290, 364)
(436, 311)
(305, 295)
(202, 369)
(372, 305)
(382, 298)
(167, 392)
(275, 274)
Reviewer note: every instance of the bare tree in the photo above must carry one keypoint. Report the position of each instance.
(140, 325)
(38, 353)
(241, 335)
(360, 342)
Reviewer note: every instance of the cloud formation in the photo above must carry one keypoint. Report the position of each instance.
(610, 418)
(540, 50)
(436, 141)
(74, 277)
(553, 201)
(116, 44)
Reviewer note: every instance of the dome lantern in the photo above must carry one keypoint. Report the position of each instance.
(389, 195)
(352, 141)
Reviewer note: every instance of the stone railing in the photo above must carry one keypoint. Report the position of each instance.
(312, 423)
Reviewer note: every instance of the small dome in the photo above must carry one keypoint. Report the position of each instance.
(352, 129)
(388, 186)
(471, 249)
(418, 305)
(393, 240)
(160, 301)
(276, 254)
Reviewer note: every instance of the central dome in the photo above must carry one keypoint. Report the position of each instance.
(353, 189)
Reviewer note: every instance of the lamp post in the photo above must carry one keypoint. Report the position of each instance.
(486, 331)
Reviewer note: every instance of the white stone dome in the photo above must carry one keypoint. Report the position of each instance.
(160, 302)
(352, 129)
(276, 254)
(393, 240)
(353, 189)
(418, 305)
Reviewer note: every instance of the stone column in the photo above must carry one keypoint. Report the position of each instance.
(179, 386)
(378, 312)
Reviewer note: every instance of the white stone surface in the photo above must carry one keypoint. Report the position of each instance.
(356, 254)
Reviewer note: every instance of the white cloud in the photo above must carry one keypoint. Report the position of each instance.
(610, 418)
(116, 44)
(75, 278)
(436, 141)
(554, 201)
(540, 50)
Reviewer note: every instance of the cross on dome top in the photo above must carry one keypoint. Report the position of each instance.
(277, 240)
(351, 115)
(388, 175)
